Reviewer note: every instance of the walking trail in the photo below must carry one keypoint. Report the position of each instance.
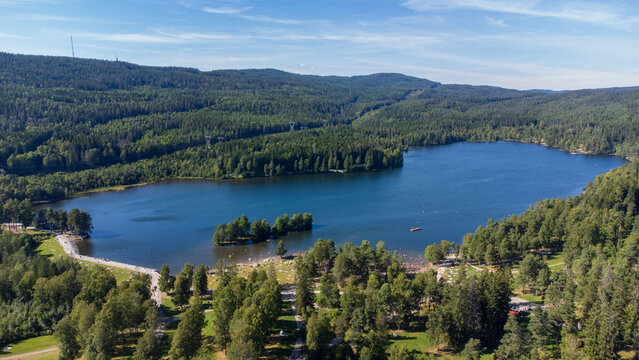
(288, 295)
(29, 355)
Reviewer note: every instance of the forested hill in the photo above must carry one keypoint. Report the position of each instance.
(69, 125)
(88, 74)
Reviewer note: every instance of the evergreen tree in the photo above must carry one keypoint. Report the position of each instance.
(400, 352)
(318, 335)
(187, 272)
(513, 344)
(182, 290)
(200, 281)
(303, 288)
(541, 329)
(242, 348)
(147, 347)
(223, 308)
(164, 278)
(329, 292)
(101, 341)
(280, 250)
(187, 339)
(472, 350)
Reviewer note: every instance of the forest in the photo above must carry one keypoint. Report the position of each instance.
(89, 124)
(591, 307)
(69, 126)
(83, 305)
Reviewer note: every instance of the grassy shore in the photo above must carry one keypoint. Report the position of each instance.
(50, 247)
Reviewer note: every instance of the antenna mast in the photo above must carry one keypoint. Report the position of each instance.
(72, 51)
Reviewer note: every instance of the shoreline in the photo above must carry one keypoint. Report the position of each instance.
(71, 249)
(578, 151)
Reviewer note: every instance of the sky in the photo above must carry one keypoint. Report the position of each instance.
(520, 44)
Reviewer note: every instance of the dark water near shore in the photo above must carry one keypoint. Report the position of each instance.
(446, 190)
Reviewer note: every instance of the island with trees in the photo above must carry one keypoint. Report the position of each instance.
(241, 230)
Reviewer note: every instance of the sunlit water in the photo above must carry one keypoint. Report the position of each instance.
(447, 191)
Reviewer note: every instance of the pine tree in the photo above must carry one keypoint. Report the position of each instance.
(200, 281)
(318, 335)
(182, 290)
(280, 250)
(472, 350)
(513, 343)
(147, 347)
(329, 292)
(188, 336)
(164, 278)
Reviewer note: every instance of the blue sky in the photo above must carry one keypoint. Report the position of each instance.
(520, 44)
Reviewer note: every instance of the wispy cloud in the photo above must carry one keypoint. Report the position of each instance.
(26, 2)
(596, 13)
(10, 36)
(165, 37)
(496, 22)
(131, 38)
(268, 19)
(240, 12)
(225, 10)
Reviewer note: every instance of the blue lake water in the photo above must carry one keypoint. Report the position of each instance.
(445, 190)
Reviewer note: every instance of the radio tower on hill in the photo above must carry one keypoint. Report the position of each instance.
(72, 50)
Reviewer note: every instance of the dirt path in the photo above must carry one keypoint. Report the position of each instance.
(29, 355)
(71, 249)
(288, 295)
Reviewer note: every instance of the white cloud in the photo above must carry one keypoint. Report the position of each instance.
(225, 10)
(131, 38)
(596, 13)
(239, 12)
(496, 22)
(301, 68)
(26, 2)
(163, 37)
(263, 18)
(10, 36)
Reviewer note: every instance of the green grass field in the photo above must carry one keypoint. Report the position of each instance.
(413, 340)
(50, 247)
(556, 261)
(34, 344)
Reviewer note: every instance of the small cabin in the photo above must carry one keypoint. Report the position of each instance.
(2, 172)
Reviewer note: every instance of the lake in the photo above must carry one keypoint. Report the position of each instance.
(445, 190)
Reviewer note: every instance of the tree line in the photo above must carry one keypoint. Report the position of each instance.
(75, 220)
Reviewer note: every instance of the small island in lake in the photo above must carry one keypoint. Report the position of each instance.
(242, 230)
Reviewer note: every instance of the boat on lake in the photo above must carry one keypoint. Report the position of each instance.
(415, 228)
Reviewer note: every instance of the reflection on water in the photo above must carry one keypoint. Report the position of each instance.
(445, 190)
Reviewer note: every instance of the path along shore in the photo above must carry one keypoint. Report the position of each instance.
(71, 249)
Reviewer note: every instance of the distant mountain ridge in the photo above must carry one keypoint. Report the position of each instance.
(30, 70)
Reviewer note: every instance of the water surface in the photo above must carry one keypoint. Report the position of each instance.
(446, 190)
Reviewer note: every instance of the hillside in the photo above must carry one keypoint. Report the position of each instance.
(71, 125)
